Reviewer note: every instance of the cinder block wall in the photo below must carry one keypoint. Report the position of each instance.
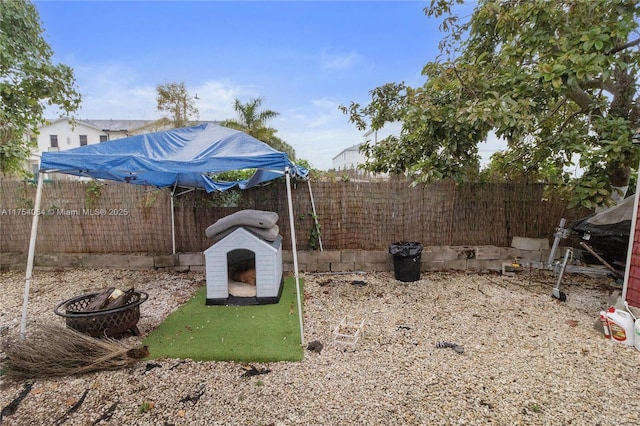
(479, 258)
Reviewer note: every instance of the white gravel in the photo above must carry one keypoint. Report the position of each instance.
(528, 359)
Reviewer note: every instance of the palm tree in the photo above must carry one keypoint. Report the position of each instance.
(252, 120)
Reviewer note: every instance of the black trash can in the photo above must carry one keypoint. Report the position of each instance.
(406, 260)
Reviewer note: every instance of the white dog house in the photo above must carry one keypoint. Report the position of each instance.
(242, 250)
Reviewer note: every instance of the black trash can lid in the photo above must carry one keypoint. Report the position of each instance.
(405, 248)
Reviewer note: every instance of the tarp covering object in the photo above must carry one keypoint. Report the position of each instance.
(608, 230)
(179, 157)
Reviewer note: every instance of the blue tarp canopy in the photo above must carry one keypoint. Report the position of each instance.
(173, 158)
(179, 157)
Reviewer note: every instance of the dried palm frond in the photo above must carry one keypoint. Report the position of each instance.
(50, 350)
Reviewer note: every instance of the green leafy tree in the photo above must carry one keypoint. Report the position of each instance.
(253, 121)
(179, 109)
(29, 82)
(557, 80)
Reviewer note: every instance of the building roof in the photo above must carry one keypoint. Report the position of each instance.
(117, 125)
(112, 125)
(355, 148)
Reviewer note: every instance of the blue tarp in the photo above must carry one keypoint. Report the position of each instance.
(182, 157)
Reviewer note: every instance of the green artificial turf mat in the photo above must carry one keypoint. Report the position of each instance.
(257, 333)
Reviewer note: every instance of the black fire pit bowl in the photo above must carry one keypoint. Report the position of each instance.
(105, 322)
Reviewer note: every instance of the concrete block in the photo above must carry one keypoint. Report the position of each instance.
(137, 262)
(191, 259)
(509, 253)
(287, 256)
(465, 252)
(165, 261)
(484, 264)
(96, 261)
(117, 261)
(373, 267)
(509, 270)
(309, 266)
(307, 261)
(443, 266)
(303, 257)
(378, 256)
(437, 265)
(487, 253)
(329, 256)
(323, 267)
(302, 269)
(343, 266)
(45, 260)
(440, 253)
(46, 268)
(62, 260)
(525, 243)
(70, 260)
(459, 265)
(12, 261)
(378, 267)
(350, 256)
(384, 267)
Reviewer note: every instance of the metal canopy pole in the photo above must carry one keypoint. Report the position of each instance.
(32, 250)
(294, 251)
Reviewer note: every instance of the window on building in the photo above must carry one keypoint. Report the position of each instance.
(83, 140)
(54, 141)
(103, 138)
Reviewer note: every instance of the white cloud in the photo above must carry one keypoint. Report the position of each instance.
(339, 61)
(114, 91)
(319, 146)
(316, 113)
(216, 98)
(318, 131)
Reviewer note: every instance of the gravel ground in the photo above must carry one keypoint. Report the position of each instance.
(528, 359)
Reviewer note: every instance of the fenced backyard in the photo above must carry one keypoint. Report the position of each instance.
(95, 217)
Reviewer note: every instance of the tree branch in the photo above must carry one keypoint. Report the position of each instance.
(582, 99)
(622, 47)
(566, 122)
(464, 86)
(596, 83)
(554, 110)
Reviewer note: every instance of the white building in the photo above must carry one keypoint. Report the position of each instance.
(348, 158)
(351, 157)
(61, 134)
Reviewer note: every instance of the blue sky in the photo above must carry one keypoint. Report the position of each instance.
(305, 58)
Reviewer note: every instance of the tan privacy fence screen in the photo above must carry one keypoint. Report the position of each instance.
(93, 217)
